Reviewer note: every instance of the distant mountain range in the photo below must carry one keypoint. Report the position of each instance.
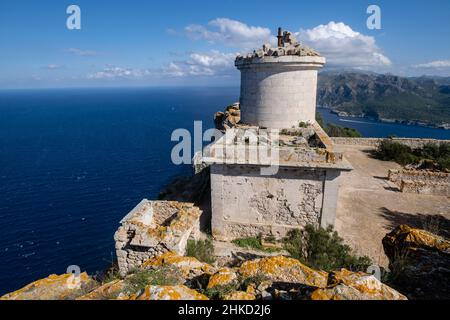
(421, 100)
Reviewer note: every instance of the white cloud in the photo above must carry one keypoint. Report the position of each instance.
(83, 53)
(113, 72)
(53, 66)
(438, 64)
(213, 63)
(230, 32)
(338, 42)
(174, 70)
(202, 64)
(344, 47)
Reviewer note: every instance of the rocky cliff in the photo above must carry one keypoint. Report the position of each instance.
(419, 268)
(387, 97)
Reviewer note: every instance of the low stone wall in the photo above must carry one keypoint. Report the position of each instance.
(421, 181)
(413, 143)
(421, 187)
(418, 175)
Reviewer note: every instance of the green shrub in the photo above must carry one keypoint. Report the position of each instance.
(219, 292)
(203, 250)
(162, 276)
(319, 120)
(323, 249)
(430, 156)
(253, 243)
(394, 151)
(270, 239)
(303, 125)
(338, 131)
(334, 130)
(110, 275)
(256, 280)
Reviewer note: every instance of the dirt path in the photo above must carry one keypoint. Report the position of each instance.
(370, 206)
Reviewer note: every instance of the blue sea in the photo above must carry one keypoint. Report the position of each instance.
(73, 162)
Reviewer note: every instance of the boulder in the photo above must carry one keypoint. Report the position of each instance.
(223, 277)
(419, 262)
(228, 119)
(239, 296)
(190, 267)
(54, 287)
(168, 293)
(347, 285)
(109, 291)
(283, 269)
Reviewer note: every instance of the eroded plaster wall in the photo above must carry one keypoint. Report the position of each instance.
(245, 203)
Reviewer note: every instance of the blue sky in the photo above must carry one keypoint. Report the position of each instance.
(148, 43)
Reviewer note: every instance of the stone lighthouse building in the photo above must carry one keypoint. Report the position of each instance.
(279, 86)
(276, 169)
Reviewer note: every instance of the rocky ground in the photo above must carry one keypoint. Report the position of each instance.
(369, 205)
(267, 278)
(419, 264)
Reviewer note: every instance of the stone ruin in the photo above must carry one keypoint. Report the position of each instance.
(229, 118)
(278, 92)
(421, 181)
(302, 191)
(153, 228)
(287, 46)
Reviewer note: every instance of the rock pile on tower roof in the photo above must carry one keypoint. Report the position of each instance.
(287, 46)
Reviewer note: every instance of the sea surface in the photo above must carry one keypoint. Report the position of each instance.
(74, 162)
(377, 129)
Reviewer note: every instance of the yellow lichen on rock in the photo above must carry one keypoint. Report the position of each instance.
(168, 293)
(405, 237)
(54, 287)
(284, 269)
(347, 285)
(187, 265)
(239, 296)
(108, 291)
(222, 277)
(421, 261)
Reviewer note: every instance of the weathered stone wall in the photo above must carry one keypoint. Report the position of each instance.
(153, 228)
(421, 181)
(419, 175)
(245, 203)
(425, 187)
(413, 143)
(129, 256)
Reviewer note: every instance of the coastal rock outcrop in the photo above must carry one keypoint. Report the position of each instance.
(109, 291)
(189, 266)
(347, 285)
(419, 262)
(283, 269)
(168, 293)
(54, 287)
(276, 277)
(229, 118)
(239, 296)
(223, 277)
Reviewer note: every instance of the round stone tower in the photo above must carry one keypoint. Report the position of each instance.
(279, 85)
